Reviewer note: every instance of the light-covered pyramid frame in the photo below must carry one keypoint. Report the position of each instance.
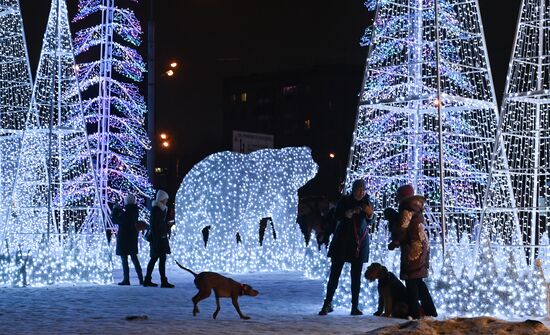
(525, 128)
(420, 71)
(15, 96)
(56, 223)
(417, 69)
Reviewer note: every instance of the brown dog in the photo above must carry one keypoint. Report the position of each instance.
(223, 288)
(392, 294)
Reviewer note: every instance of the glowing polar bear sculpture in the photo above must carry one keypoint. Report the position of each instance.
(225, 197)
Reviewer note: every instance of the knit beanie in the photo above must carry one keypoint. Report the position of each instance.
(129, 199)
(358, 183)
(403, 192)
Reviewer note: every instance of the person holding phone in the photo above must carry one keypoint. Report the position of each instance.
(159, 241)
(350, 243)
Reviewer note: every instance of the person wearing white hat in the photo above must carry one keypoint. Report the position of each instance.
(159, 244)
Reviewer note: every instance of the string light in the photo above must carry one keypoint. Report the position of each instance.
(231, 193)
(396, 142)
(525, 124)
(15, 95)
(116, 112)
(55, 231)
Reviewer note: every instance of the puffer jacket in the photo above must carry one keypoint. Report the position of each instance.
(409, 234)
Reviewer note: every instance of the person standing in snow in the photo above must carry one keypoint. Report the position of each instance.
(127, 237)
(407, 233)
(160, 246)
(350, 243)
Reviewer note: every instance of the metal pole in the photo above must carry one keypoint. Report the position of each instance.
(50, 125)
(151, 60)
(536, 161)
(440, 116)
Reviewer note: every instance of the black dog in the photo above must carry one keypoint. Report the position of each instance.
(392, 294)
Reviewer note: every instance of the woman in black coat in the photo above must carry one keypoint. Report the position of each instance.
(350, 243)
(160, 246)
(127, 237)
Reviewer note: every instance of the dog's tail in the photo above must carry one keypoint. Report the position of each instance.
(186, 269)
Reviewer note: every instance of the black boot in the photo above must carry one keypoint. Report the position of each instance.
(148, 283)
(165, 284)
(124, 282)
(356, 311)
(327, 308)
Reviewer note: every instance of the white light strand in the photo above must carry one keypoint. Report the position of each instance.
(232, 192)
(15, 95)
(395, 142)
(55, 231)
(115, 109)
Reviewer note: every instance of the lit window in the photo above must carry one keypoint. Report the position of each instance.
(158, 170)
(307, 124)
(243, 97)
(288, 90)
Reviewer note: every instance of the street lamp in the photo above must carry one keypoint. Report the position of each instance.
(165, 140)
(173, 65)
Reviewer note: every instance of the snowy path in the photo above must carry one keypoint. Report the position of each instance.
(287, 304)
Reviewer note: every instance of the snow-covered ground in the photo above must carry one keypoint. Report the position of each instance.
(288, 304)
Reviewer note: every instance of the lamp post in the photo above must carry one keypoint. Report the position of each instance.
(151, 92)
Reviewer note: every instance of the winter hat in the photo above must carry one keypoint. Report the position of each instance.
(403, 192)
(129, 199)
(358, 183)
(161, 195)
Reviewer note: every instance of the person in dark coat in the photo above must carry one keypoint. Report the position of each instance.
(350, 243)
(408, 233)
(127, 237)
(160, 246)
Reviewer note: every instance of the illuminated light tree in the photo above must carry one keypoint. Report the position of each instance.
(526, 120)
(396, 137)
(533, 285)
(484, 282)
(427, 116)
(55, 218)
(445, 289)
(509, 297)
(114, 108)
(15, 95)
(232, 193)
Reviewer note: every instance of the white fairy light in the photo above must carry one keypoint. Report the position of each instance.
(115, 109)
(55, 232)
(526, 123)
(231, 193)
(15, 95)
(396, 142)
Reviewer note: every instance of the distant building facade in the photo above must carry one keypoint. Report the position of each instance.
(245, 142)
(313, 107)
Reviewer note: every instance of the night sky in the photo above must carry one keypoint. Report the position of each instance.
(215, 39)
